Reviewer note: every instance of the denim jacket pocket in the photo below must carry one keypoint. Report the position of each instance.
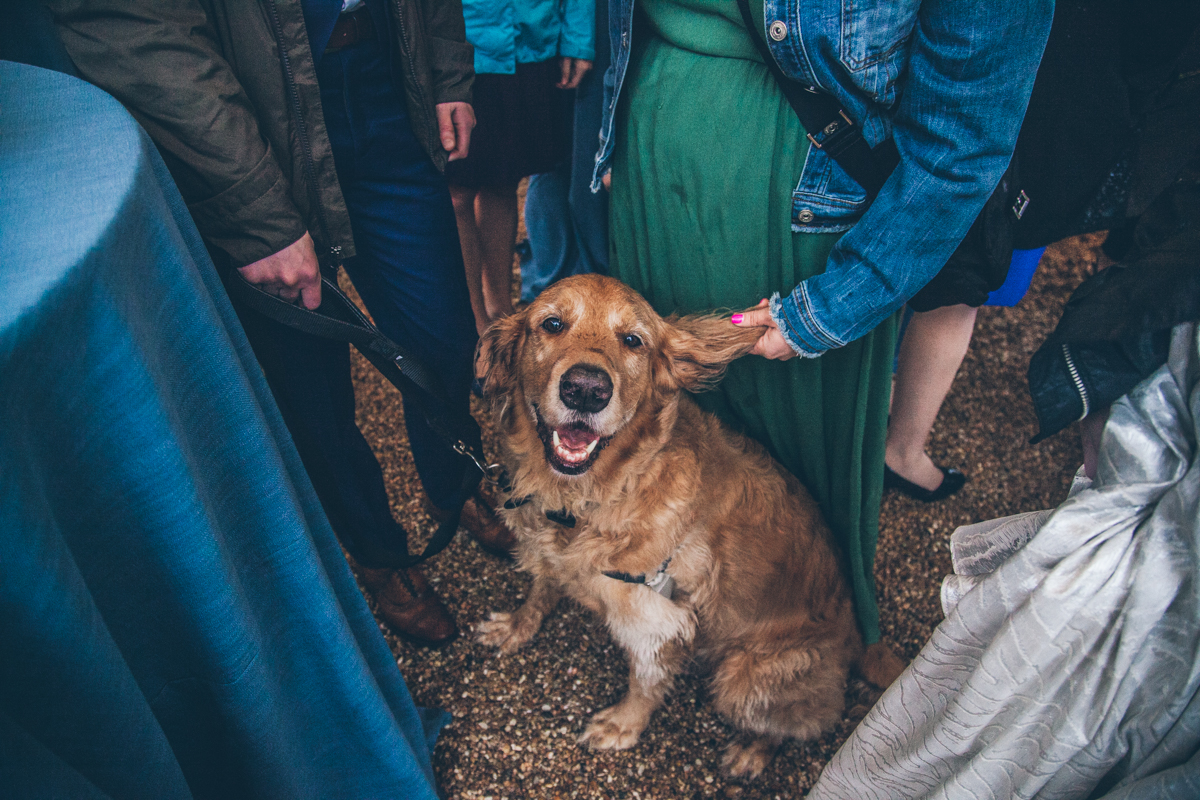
(874, 44)
(827, 200)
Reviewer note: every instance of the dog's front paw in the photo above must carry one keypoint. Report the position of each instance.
(747, 757)
(506, 632)
(615, 728)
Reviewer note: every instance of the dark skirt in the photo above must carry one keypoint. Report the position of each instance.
(522, 127)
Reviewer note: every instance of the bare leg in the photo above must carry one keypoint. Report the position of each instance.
(496, 216)
(651, 678)
(472, 250)
(1090, 430)
(934, 345)
(507, 632)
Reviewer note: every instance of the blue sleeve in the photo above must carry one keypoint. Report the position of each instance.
(970, 72)
(577, 39)
(491, 29)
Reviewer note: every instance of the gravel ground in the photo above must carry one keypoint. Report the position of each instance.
(516, 719)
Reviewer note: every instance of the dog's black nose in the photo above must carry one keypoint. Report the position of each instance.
(585, 388)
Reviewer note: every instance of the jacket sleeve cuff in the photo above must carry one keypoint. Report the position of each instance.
(794, 318)
(571, 49)
(454, 70)
(577, 36)
(254, 218)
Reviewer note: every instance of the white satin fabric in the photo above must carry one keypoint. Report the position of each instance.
(1067, 665)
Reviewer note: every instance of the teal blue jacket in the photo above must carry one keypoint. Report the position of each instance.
(510, 32)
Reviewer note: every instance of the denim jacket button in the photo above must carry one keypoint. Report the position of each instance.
(778, 30)
(805, 216)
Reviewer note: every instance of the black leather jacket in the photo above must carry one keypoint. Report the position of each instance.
(1115, 329)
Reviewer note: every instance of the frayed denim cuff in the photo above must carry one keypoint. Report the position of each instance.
(793, 316)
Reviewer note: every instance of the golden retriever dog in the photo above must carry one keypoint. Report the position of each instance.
(686, 538)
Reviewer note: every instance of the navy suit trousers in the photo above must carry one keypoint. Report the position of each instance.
(408, 272)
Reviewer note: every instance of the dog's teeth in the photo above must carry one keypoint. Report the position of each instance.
(557, 441)
(591, 447)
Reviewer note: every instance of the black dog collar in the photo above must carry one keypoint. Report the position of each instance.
(660, 581)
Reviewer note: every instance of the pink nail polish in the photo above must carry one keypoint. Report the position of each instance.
(736, 319)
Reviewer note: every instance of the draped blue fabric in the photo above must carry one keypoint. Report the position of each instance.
(176, 617)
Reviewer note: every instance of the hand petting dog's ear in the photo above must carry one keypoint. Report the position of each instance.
(771, 344)
(701, 346)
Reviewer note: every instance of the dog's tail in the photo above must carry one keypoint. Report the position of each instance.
(879, 666)
(874, 671)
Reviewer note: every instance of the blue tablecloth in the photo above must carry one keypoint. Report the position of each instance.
(176, 617)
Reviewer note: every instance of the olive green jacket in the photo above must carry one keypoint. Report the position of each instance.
(227, 89)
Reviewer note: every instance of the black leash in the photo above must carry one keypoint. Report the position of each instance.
(339, 319)
(828, 125)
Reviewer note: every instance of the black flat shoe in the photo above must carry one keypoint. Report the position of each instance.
(952, 481)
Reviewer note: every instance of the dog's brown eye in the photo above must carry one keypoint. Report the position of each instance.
(552, 325)
(632, 340)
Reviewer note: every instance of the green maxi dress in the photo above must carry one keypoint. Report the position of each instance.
(707, 155)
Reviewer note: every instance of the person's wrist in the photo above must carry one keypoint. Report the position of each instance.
(782, 312)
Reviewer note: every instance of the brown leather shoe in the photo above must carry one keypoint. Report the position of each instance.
(482, 523)
(487, 529)
(408, 605)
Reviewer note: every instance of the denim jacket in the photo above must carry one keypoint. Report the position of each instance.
(948, 79)
(510, 32)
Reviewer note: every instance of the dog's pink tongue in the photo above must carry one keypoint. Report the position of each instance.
(576, 438)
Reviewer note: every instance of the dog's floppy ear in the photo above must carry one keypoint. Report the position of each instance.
(699, 347)
(497, 352)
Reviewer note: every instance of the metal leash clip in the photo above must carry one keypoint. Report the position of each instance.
(489, 471)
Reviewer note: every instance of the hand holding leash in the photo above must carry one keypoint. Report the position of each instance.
(338, 319)
(292, 273)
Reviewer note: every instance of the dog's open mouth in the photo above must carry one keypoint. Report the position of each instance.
(570, 449)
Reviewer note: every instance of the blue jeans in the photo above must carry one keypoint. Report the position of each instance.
(567, 223)
(409, 273)
(553, 251)
(409, 268)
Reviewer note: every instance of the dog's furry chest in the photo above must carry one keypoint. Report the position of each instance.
(577, 557)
